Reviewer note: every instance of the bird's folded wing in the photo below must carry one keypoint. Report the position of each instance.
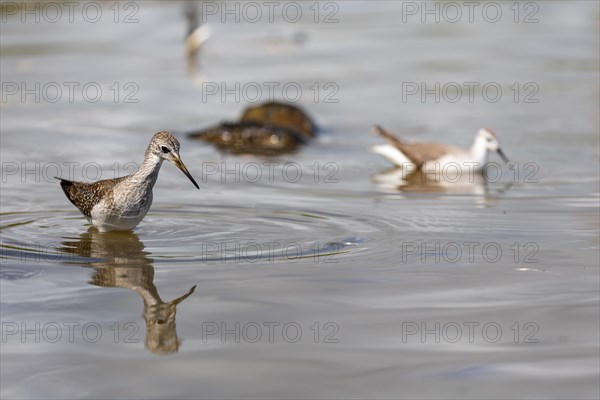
(406, 148)
(86, 195)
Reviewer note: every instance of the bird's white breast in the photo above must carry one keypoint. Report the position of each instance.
(124, 210)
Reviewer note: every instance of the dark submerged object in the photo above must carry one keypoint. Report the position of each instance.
(269, 129)
(283, 115)
(252, 138)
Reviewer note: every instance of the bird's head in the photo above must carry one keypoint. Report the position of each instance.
(166, 147)
(488, 137)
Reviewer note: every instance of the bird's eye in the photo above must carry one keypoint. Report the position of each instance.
(164, 149)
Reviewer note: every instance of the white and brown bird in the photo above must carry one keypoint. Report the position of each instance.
(430, 155)
(121, 203)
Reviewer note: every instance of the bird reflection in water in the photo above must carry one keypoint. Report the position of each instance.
(195, 37)
(473, 183)
(430, 182)
(120, 261)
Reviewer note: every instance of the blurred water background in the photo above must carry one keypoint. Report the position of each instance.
(318, 274)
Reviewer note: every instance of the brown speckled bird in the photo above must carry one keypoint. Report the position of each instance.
(122, 203)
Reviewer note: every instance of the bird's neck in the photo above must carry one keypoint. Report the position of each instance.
(148, 171)
(479, 151)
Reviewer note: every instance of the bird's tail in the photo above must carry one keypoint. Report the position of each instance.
(387, 135)
(403, 147)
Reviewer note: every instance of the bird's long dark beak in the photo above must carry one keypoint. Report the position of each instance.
(177, 161)
(185, 296)
(502, 155)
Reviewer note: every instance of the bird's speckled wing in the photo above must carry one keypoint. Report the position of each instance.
(86, 195)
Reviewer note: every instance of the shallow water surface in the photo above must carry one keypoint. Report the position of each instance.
(316, 274)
